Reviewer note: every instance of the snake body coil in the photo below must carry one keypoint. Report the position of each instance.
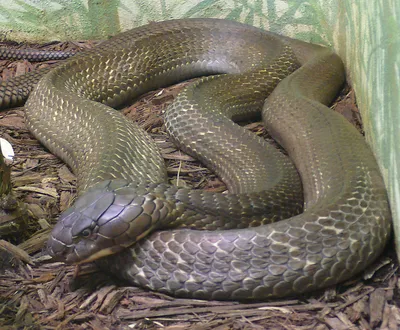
(346, 221)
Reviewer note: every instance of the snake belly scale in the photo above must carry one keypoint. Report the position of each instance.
(122, 180)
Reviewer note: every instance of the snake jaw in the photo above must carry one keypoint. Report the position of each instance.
(99, 254)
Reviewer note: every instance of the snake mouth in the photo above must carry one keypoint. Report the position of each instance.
(100, 254)
(81, 253)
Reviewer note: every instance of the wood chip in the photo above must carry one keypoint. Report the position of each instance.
(111, 300)
(376, 304)
(65, 175)
(16, 122)
(48, 191)
(16, 251)
(66, 199)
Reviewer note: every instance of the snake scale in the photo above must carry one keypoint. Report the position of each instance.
(123, 194)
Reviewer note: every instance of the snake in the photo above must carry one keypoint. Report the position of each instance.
(287, 226)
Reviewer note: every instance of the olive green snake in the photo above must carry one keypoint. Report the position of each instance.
(123, 192)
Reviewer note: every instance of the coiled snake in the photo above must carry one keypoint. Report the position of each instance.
(346, 221)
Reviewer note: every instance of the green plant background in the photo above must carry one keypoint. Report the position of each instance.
(366, 34)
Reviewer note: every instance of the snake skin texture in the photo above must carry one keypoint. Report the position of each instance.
(33, 55)
(14, 92)
(122, 179)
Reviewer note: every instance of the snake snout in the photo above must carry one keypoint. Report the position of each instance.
(75, 239)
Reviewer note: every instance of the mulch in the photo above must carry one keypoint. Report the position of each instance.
(51, 296)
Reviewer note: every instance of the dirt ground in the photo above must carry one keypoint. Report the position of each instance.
(34, 296)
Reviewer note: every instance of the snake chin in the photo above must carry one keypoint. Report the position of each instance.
(101, 254)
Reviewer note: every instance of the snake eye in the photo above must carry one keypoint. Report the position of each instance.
(86, 232)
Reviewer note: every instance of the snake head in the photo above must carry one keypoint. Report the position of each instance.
(109, 217)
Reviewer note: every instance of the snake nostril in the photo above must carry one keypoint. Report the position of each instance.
(55, 247)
